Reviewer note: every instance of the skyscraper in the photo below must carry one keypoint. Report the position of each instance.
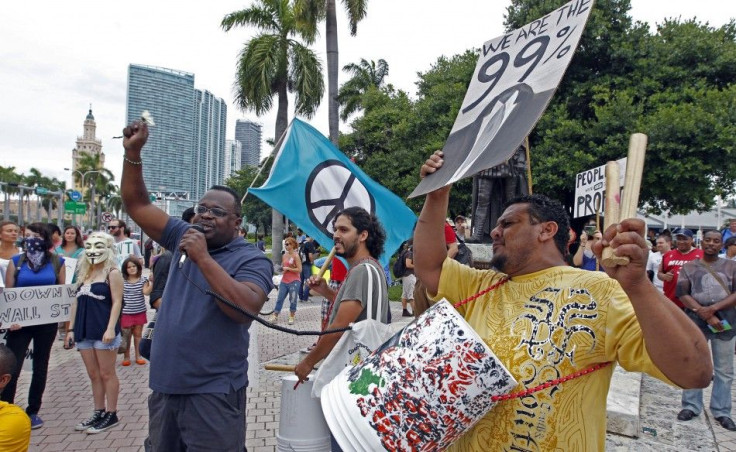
(210, 119)
(232, 157)
(249, 135)
(168, 94)
(185, 153)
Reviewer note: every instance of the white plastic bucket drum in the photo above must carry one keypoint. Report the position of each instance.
(421, 390)
(302, 427)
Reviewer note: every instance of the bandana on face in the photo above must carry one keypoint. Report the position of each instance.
(96, 250)
(35, 253)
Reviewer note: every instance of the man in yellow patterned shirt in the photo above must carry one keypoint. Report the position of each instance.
(15, 425)
(550, 320)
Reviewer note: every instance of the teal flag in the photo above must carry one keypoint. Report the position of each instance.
(311, 181)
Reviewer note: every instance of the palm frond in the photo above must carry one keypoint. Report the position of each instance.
(306, 76)
(356, 10)
(260, 16)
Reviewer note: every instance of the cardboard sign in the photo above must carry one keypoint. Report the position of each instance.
(39, 305)
(71, 266)
(513, 82)
(590, 189)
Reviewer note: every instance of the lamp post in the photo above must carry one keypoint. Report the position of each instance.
(92, 197)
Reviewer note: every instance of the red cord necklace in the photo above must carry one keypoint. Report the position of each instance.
(546, 384)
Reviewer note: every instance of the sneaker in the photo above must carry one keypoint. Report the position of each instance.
(405, 313)
(36, 421)
(97, 415)
(273, 318)
(291, 319)
(109, 420)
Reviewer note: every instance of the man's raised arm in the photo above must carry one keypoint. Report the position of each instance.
(673, 341)
(132, 188)
(430, 250)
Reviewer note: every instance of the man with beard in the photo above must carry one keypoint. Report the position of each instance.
(546, 320)
(359, 238)
(707, 288)
(125, 246)
(199, 358)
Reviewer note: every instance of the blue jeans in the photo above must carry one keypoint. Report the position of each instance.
(304, 289)
(292, 289)
(720, 399)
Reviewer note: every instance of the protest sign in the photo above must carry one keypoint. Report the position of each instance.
(71, 266)
(514, 80)
(39, 305)
(590, 189)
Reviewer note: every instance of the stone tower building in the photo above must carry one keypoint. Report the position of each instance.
(87, 144)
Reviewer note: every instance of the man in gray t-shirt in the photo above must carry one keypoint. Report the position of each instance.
(707, 288)
(359, 238)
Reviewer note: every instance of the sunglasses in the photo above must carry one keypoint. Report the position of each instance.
(110, 228)
(216, 211)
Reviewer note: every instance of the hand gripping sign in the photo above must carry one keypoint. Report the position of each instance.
(514, 80)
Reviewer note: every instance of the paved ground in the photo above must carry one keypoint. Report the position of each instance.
(68, 400)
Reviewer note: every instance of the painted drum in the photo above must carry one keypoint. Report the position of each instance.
(420, 391)
(302, 426)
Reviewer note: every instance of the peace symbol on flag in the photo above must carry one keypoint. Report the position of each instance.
(331, 188)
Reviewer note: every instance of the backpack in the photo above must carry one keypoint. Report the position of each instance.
(55, 261)
(399, 267)
(464, 255)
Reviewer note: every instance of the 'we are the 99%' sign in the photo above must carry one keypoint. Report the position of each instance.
(514, 80)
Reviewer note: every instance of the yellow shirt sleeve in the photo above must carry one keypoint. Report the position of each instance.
(15, 428)
(624, 338)
(458, 282)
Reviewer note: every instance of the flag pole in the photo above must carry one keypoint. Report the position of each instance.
(263, 165)
(528, 163)
(327, 262)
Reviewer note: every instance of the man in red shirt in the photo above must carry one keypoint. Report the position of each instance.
(450, 241)
(673, 261)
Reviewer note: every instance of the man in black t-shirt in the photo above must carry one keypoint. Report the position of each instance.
(308, 253)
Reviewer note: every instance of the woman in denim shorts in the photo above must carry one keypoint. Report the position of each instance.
(95, 324)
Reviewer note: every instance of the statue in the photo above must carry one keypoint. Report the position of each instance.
(492, 188)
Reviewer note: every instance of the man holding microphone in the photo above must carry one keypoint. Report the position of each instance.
(199, 355)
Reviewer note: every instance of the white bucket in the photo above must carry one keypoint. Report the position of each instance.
(421, 390)
(302, 427)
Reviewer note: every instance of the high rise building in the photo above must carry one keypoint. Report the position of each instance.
(89, 144)
(185, 152)
(210, 119)
(168, 95)
(249, 135)
(232, 157)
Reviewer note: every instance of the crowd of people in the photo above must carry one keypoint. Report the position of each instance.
(544, 315)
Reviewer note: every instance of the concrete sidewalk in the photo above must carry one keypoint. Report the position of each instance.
(67, 400)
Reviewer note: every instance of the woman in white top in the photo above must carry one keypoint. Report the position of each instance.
(8, 237)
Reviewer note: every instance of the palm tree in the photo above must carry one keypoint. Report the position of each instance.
(314, 11)
(275, 62)
(34, 179)
(8, 176)
(365, 75)
(98, 180)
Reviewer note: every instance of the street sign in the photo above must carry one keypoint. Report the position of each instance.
(106, 217)
(75, 207)
(41, 190)
(75, 195)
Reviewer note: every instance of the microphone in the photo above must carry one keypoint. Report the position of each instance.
(183, 257)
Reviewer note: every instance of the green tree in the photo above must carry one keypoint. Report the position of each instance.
(314, 11)
(272, 64)
(96, 184)
(256, 211)
(365, 75)
(675, 85)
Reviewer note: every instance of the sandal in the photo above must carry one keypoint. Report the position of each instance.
(140, 361)
(126, 362)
